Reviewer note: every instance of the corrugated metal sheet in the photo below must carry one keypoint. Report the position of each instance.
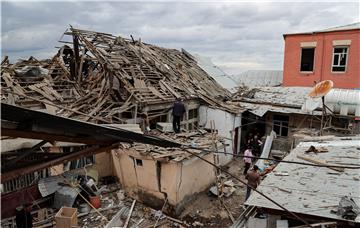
(256, 78)
(340, 101)
(261, 110)
(216, 73)
(313, 190)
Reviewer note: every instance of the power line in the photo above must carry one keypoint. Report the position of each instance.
(243, 182)
(271, 159)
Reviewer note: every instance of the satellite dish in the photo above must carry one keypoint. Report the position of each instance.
(321, 89)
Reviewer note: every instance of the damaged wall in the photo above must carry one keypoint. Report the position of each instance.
(152, 181)
(296, 122)
(225, 123)
(103, 164)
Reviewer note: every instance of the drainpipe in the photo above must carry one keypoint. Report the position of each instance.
(322, 57)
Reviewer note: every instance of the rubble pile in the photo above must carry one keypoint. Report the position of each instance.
(104, 76)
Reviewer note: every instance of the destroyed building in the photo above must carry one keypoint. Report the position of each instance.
(290, 110)
(116, 83)
(103, 108)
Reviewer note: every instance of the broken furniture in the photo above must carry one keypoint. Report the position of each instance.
(66, 217)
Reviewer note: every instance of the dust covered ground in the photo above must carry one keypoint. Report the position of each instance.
(207, 210)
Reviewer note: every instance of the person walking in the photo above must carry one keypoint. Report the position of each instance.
(253, 180)
(178, 111)
(247, 159)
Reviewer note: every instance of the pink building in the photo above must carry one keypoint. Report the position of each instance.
(331, 54)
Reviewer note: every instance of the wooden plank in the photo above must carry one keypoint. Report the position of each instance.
(156, 92)
(36, 89)
(170, 89)
(138, 83)
(320, 162)
(12, 84)
(168, 154)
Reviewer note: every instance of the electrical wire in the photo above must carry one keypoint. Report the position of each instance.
(271, 159)
(243, 182)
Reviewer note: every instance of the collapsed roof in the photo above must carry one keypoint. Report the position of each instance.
(103, 76)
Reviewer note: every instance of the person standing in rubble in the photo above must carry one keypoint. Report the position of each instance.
(24, 217)
(253, 180)
(178, 111)
(247, 159)
(256, 145)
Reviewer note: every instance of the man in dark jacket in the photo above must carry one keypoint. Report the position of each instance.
(24, 217)
(178, 111)
(253, 180)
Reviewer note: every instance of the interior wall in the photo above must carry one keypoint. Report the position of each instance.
(103, 164)
(225, 123)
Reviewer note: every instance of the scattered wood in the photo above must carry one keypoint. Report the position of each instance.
(320, 162)
(130, 213)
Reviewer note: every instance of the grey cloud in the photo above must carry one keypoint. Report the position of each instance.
(238, 36)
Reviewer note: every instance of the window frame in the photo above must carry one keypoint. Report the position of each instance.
(281, 124)
(301, 54)
(346, 61)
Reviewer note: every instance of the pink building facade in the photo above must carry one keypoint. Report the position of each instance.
(332, 54)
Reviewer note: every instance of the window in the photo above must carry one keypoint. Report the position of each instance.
(307, 59)
(138, 162)
(339, 59)
(281, 125)
(193, 113)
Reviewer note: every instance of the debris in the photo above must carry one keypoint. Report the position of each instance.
(316, 150)
(347, 208)
(66, 217)
(130, 213)
(196, 223)
(319, 162)
(283, 173)
(284, 190)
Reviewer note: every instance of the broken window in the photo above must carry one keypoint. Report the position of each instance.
(281, 125)
(339, 59)
(138, 162)
(193, 113)
(307, 59)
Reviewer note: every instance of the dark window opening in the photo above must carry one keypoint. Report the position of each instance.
(82, 162)
(193, 113)
(162, 118)
(307, 59)
(339, 59)
(281, 125)
(139, 162)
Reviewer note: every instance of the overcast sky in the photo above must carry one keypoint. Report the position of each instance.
(238, 36)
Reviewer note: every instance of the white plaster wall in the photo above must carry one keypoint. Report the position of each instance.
(225, 123)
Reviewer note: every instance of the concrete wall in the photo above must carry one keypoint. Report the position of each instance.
(322, 60)
(225, 123)
(152, 182)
